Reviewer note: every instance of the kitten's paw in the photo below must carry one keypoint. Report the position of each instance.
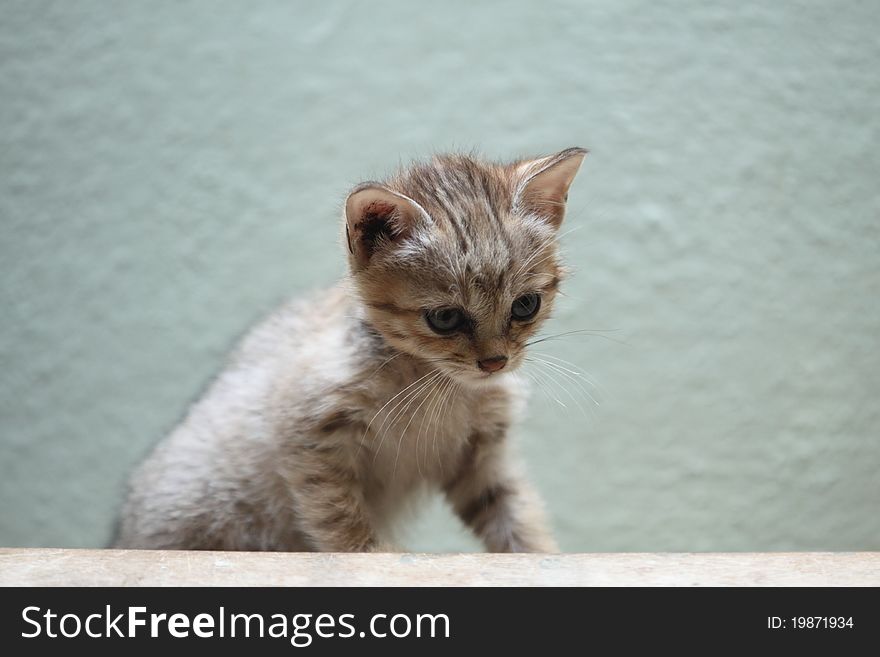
(533, 545)
(384, 546)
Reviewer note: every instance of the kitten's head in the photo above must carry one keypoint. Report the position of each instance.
(456, 259)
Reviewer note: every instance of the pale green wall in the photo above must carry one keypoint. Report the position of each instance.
(170, 170)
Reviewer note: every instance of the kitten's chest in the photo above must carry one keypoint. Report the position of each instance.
(421, 437)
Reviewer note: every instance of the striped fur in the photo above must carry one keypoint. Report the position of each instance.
(337, 410)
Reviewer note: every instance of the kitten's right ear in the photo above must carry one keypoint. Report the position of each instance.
(545, 182)
(376, 218)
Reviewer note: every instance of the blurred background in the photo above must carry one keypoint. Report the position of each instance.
(170, 171)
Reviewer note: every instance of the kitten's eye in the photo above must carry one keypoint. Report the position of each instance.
(526, 306)
(445, 320)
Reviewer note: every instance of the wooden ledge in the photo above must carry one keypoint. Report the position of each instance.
(57, 567)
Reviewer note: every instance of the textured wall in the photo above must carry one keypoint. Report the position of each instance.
(169, 171)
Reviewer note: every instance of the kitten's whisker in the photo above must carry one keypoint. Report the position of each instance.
(376, 414)
(434, 416)
(420, 383)
(574, 379)
(395, 414)
(543, 387)
(447, 404)
(579, 385)
(563, 372)
(580, 378)
(576, 371)
(406, 403)
(551, 377)
(384, 363)
(441, 407)
(450, 408)
(434, 383)
(436, 395)
(588, 332)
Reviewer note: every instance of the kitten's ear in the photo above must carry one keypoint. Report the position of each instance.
(543, 189)
(375, 218)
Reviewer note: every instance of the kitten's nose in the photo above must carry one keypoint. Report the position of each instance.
(492, 364)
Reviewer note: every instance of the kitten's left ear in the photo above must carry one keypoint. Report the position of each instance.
(543, 189)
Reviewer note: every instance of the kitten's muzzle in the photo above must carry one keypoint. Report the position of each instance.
(492, 364)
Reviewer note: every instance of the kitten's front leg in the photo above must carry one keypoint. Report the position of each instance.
(496, 501)
(330, 506)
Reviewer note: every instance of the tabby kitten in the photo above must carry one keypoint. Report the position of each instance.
(336, 410)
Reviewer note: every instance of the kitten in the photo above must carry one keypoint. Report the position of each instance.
(336, 410)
